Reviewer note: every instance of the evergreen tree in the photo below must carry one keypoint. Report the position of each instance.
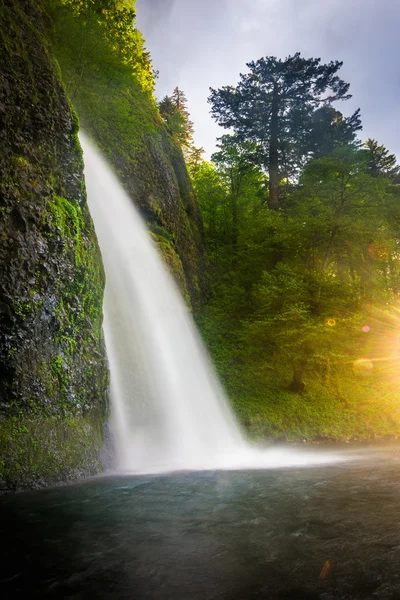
(194, 158)
(381, 162)
(273, 106)
(173, 110)
(329, 129)
(172, 117)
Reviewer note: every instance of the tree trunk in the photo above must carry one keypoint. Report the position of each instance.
(273, 168)
(235, 182)
(235, 222)
(297, 385)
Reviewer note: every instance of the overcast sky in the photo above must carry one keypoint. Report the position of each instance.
(197, 44)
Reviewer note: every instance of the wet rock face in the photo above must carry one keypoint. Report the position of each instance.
(159, 182)
(53, 373)
(171, 201)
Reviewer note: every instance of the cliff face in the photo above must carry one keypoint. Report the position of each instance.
(53, 373)
(113, 98)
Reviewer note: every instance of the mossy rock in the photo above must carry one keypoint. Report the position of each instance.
(173, 263)
(52, 359)
(39, 450)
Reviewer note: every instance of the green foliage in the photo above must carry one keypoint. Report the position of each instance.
(112, 97)
(381, 162)
(173, 110)
(228, 192)
(284, 107)
(329, 129)
(211, 193)
(113, 20)
(289, 316)
(117, 109)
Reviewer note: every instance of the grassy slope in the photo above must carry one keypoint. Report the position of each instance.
(116, 106)
(339, 401)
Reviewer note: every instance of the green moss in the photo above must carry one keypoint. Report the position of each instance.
(22, 309)
(20, 162)
(53, 369)
(173, 262)
(160, 230)
(57, 364)
(119, 112)
(68, 218)
(51, 450)
(74, 225)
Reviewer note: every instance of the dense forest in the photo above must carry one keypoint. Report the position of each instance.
(302, 226)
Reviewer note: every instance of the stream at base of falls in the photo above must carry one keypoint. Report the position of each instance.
(231, 535)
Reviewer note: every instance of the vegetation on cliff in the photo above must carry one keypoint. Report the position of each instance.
(109, 78)
(54, 376)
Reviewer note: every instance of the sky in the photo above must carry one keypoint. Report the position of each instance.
(197, 44)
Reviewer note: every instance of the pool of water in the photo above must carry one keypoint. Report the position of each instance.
(324, 531)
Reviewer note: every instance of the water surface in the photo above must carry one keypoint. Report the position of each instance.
(223, 534)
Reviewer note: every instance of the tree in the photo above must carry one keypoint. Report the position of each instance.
(173, 119)
(350, 229)
(381, 162)
(329, 129)
(273, 106)
(235, 163)
(194, 158)
(211, 194)
(173, 110)
(338, 252)
(282, 326)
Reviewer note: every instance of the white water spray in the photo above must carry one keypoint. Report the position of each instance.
(168, 408)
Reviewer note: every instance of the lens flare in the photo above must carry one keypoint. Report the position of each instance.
(363, 366)
(380, 354)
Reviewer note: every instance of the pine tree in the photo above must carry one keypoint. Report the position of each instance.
(381, 162)
(173, 110)
(274, 105)
(194, 158)
(329, 130)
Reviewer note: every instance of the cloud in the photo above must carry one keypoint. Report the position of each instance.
(200, 44)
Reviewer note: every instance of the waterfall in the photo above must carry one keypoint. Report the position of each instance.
(168, 408)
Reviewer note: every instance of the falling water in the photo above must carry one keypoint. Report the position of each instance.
(168, 408)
